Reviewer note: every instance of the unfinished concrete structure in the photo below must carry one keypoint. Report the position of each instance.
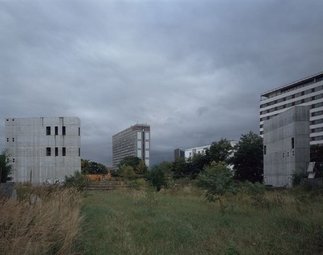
(43, 149)
(286, 146)
(133, 141)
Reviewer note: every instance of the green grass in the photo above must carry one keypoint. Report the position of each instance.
(138, 222)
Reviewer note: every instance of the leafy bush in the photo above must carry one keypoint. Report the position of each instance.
(137, 183)
(78, 181)
(127, 172)
(217, 180)
(5, 168)
(157, 177)
(297, 178)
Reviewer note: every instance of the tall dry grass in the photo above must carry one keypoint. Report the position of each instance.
(40, 221)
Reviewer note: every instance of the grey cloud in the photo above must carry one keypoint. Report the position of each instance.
(193, 70)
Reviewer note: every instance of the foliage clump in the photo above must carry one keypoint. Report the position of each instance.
(248, 158)
(217, 180)
(5, 168)
(157, 177)
(77, 181)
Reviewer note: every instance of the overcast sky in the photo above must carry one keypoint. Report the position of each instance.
(193, 70)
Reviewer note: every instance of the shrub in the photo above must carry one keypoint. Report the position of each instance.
(78, 181)
(157, 178)
(217, 180)
(297, 178)
(127, 172)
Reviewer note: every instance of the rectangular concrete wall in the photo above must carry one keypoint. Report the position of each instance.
(286, 146)
(28, 141)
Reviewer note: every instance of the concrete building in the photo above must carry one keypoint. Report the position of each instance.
(189, 153)
(286, 146)
(307, 91)
(179, 153)
(43, 149)
(133, 141)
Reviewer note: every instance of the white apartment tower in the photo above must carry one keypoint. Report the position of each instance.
(307, 91)
(43, 150)
(133, 141)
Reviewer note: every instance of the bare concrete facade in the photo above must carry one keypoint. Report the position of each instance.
(43, 149)
(133, 141)
(286, 146)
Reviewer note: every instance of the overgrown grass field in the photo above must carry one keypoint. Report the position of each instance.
(182, 222)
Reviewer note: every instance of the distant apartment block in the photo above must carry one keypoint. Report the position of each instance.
(43, 149)
(191, 152)
(178, 154)
(201, 150)
(133, 141)
(286, 146)
(307, 91)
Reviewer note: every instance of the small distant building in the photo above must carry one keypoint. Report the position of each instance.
(189, 153)
(201, 150)
(43, 149)
(178, 154)
(286, 146)
(133, 141)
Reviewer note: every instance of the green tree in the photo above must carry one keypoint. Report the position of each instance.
(92, 167)
(197, 164)
(78, 181)
(130, 161)
(248, 158)
(220, 151)
(136, 163)
(141, 168)
(157, 176)
(5, 168)
(217, 180)
(127, 172)
(179, 168)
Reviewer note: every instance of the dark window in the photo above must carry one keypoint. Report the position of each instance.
(13, 160)
(56, 130)
(79, 131)
(63, 130)
(7, 139)
(47, 130)
(265, 149)
(79, 152)
(293, 142)
(63, 151)
(48, 151)
(7, 119)
(303, 92)
(56, 151)
(13, 139)
(13, 119)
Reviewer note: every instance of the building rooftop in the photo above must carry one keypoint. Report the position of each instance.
(289, 86)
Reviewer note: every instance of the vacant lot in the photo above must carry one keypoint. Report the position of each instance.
(141, 222)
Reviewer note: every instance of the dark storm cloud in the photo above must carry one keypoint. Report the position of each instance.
(193, 70)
